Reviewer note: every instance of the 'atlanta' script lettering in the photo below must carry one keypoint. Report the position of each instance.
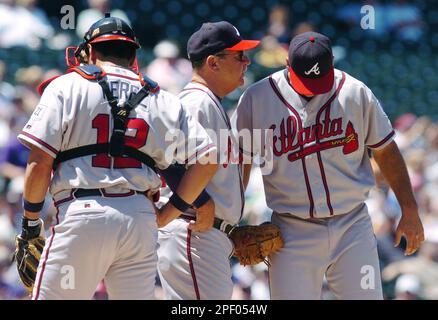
(289, 134)
(291, 139)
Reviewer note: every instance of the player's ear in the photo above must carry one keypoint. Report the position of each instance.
(287, 62)
(211, 62)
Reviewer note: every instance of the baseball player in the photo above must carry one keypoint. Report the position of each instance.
(196, 265)
(323, 122)
(102, 129)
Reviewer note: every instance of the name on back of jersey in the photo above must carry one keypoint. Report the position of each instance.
(123, 90)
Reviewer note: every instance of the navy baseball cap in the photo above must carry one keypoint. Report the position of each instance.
(311, 68)
(214, 37)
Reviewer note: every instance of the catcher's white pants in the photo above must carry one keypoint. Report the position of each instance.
(100, 238)
(343, 248)
(194, 265)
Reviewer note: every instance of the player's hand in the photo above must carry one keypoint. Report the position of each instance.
(163, 215)
(204, 217)
(166, 214)
(411, 228)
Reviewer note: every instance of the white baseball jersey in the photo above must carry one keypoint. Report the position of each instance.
(67, 117)
(225, 188)
(321, 175)
(196, 265)
(320, 163)
(111, 237)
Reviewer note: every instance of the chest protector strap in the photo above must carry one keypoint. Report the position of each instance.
(116, 147)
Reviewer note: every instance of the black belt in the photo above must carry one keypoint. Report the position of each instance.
(81, 193)
(217, 224)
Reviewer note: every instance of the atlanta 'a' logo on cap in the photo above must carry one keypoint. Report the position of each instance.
(314, 69)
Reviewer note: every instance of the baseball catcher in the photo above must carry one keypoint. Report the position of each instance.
(254, 244)
(28, 248)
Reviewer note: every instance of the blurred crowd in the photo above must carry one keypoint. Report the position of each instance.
(413, 277)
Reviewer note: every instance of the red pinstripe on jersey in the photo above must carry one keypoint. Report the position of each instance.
(43, 266)
(300, 126)
(192, 270)
(327, 106)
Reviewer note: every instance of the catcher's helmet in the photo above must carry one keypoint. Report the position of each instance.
(110, 29)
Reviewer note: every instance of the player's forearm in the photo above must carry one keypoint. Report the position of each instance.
(173, 175)
(37, 179)
(394, 170)
(195, 180)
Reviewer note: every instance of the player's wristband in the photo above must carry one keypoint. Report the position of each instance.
(32, 207)
(179, 203)
(202, 199)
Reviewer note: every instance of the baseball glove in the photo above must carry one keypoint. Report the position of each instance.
(254, 244)
(27, 255)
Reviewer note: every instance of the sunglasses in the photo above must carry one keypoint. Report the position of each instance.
(239, 57)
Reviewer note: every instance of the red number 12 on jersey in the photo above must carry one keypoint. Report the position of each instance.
(101, 124)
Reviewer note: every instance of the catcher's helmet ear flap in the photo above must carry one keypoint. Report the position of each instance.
(81, 52)
(110, 29)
